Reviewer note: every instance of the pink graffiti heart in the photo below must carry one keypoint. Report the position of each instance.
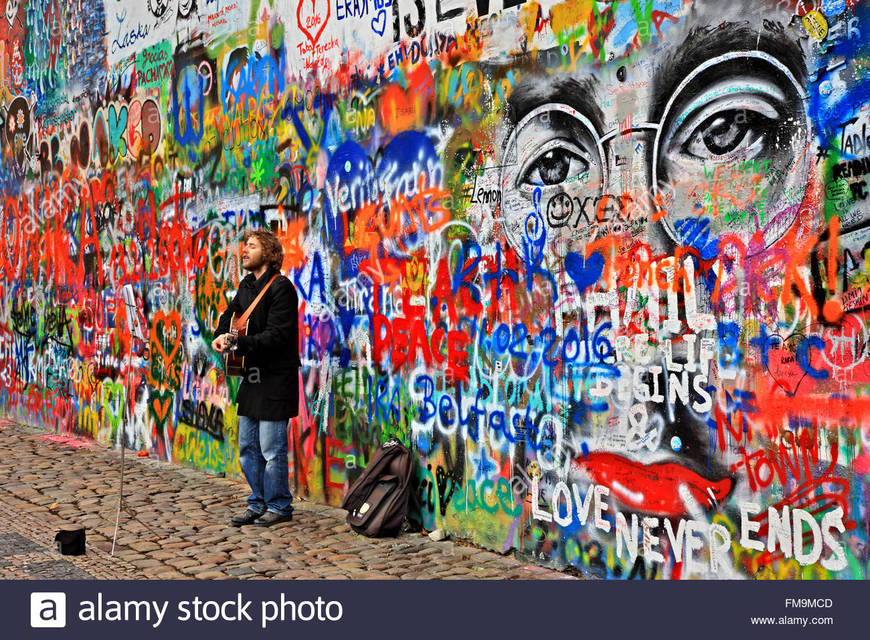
(312, 19)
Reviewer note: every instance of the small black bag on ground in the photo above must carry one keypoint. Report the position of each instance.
(377, 502)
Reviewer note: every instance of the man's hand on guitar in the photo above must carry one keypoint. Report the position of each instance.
(221, 343)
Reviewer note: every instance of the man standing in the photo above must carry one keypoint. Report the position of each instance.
(269, 394)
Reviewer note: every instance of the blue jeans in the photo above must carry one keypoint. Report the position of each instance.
(263, 457)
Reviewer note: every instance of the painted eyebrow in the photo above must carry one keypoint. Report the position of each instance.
(536, 90)
(709, 41)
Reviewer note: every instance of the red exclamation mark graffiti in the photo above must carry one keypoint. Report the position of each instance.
(833, 309)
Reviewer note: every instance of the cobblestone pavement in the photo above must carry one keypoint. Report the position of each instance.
(176, 525)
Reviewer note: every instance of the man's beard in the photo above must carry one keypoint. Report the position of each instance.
(253, 266)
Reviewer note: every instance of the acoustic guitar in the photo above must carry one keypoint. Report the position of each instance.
(235, 364)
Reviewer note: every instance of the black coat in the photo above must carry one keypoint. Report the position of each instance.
(270, 389)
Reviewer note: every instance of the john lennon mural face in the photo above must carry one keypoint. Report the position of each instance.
(707, 128)
(710, 124)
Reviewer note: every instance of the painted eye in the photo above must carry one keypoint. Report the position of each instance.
(730, 133)
(555, 165)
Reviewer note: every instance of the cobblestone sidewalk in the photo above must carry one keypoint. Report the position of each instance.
(179, 527)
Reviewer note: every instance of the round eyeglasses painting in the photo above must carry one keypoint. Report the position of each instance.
(728, 154)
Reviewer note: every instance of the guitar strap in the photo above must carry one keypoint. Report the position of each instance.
(240, 322)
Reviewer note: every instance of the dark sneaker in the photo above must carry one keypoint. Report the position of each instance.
(248, 517)
(270, 517)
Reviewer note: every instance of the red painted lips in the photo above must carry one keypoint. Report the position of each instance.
(651, 488)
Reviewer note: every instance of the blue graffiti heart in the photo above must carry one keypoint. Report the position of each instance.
(584, 273)
(379, 22)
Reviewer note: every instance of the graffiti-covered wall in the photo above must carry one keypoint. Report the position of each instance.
(602, 264)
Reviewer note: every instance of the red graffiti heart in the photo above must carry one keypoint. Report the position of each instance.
(167, 332)
(783, 367)
(403, 109)
(397, 110)
(312, 19)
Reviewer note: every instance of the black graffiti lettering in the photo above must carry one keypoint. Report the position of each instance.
(23, 318)
(414, 30)
(58, 325)
(486, 196)
(581, 210)
(202, 416)
(446, 486)
(450, 13)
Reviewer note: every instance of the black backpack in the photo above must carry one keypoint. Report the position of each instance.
(378, 500)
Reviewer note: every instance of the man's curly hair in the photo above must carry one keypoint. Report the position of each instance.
(273, 252)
